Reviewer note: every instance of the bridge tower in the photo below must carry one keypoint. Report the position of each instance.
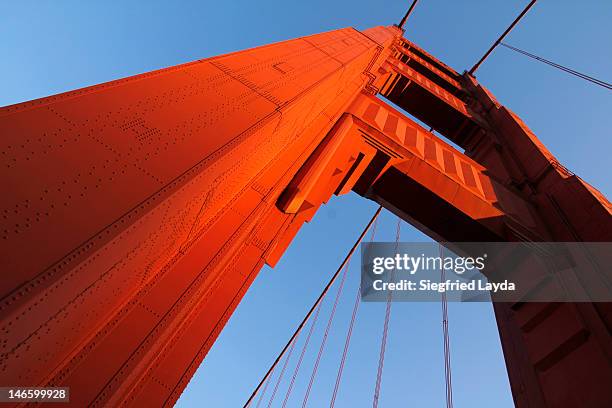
(136, 213)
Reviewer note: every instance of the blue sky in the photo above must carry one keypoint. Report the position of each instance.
(54, 46)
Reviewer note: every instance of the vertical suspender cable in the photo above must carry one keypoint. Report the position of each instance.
(262, 393)
(586, 77)
(314, 306)
(447, 360)
(349, 334)
(383, 342)
(324, 339)
(280, 376)
(299, 363)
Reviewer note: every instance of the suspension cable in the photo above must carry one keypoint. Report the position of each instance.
(262, 393)
(280, 376)
(325, 335)
(501, 37)
(447, 359)
(299, 363)
(408, 13)
(314, 306)
(561, 67)
(383, 342)
(349, 333)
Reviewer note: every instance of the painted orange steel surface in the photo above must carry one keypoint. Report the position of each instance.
(137, 213)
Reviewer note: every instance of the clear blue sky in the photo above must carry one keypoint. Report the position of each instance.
(53, 46)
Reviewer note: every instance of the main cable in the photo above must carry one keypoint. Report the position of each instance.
(501, 37)
(408, 13)
(314, 306)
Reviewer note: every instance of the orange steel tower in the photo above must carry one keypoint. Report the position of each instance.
(136, 213)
